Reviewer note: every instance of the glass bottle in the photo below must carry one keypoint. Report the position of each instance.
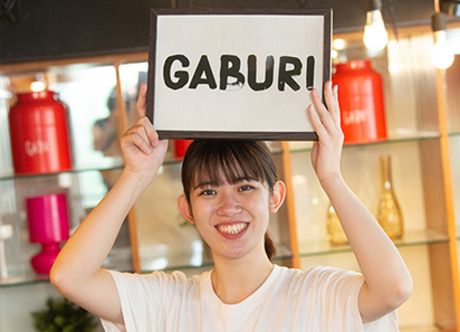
(389, 212)
(335, 232)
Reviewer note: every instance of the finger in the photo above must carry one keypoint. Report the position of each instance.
(140, 103)
(150, 131)
(138, 141)
(330, 97)
(316, 122)
(321, 110)
(139, 129)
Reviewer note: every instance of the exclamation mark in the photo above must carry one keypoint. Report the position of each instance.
(310, 72)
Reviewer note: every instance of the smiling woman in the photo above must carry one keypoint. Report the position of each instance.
(230, 190)
(246, 168)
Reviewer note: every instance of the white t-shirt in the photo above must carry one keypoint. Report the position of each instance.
(323, 299)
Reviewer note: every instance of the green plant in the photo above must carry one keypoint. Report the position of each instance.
(62, 315)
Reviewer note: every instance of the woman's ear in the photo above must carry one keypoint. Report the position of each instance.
(185, 208)
(277, 196)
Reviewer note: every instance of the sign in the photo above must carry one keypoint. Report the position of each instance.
(236, 75)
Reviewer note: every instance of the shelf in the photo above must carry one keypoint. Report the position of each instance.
(31, 279)
(454, 134)
(420, 329)
(190, 262)
(116, 164)
(109, 165)
(179, 263)
(307, 146)
(313, 248)
(411, 238)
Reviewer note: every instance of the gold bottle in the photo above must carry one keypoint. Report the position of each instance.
(335, 232)
(389, 212)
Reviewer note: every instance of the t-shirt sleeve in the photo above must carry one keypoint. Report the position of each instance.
(141, 298)
(337, 291)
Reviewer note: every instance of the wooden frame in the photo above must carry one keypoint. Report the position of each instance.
(182, 110)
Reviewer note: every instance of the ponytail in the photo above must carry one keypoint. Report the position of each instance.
(270, 249)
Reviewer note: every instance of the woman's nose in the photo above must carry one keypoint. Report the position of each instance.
(229, 205)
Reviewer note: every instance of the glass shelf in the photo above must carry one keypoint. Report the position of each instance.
(454, 134)
(101, 166)
(420, 329)
(179, 264)
(313, 248)
(307, 146)
(295, 147)
(186, 263)
(411, 238)
(14, 281)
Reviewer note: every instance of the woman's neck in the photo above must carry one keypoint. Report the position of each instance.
(233, 280)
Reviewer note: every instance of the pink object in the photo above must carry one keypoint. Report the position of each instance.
(48, 223)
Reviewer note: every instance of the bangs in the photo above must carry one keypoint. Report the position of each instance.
(226, 165)
(219, 161)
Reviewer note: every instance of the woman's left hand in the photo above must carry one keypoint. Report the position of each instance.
(325, 120)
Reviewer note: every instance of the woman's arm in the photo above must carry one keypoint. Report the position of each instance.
(388, 282)
(77, 272)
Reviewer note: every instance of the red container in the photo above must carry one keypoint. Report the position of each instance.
(361, 102)
(180, 147)
(39, 134)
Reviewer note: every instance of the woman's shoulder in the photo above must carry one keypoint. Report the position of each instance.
(161, 278)
(317, 274)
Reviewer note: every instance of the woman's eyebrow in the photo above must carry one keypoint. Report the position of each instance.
(209, 183)
(244, 179)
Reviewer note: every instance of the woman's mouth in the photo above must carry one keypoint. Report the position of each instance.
(233, 229)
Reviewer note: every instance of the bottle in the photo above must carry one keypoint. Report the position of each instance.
(389, 212)
(361, 101)
(335, 232)
(39, 134)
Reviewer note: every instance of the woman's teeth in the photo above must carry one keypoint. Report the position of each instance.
(232, 229)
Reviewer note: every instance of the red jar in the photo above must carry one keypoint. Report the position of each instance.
(180, 147)
(39, 134)
(361, 101)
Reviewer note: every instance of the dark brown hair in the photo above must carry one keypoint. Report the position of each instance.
(232, 160)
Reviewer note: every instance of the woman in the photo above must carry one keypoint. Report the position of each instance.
(229, 191)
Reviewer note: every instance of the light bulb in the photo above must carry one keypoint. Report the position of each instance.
(339, 44)
(443, 57)
(375, 34)
(37, 86)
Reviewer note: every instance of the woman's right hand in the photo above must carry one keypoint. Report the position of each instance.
(142, 149)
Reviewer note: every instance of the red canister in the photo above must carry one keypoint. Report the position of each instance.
(361, 101)
(39, 134)
(180, 147)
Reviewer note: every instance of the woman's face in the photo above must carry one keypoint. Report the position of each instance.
(233, 217)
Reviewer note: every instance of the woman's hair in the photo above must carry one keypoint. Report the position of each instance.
(230, 160)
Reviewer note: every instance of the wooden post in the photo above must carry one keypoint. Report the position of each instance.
(290, 205)
(122, 127)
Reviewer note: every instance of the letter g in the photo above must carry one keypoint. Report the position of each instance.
(181, 75)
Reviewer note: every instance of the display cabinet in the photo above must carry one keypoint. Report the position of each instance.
(423, 140)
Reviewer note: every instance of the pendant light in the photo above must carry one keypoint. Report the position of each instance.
(442, 55)
(375, 35)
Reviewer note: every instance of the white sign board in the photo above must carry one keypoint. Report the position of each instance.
(236, 75)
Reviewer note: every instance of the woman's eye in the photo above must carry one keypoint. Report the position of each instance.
(246, 187)
(207, 192)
